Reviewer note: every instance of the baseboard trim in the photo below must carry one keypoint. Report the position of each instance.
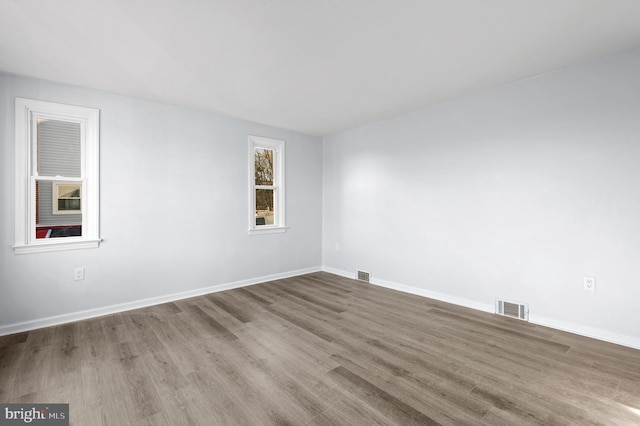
(417, 291)
(594, 333)
(143, 303)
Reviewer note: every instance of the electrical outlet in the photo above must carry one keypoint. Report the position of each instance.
(78, 274)
(337, 246)
(589, 283)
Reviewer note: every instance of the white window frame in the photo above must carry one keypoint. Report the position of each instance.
(28, 111)
(278, 185)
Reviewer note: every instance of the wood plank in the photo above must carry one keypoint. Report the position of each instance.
(379, 400)
(319, 350)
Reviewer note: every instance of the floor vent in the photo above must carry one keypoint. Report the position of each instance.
(512, 309)
(363, 276)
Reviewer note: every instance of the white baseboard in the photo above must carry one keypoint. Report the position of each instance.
(113, 309)
(595, 333)
(418, 291)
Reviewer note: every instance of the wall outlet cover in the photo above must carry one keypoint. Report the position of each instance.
(590, 283)
(78, 274)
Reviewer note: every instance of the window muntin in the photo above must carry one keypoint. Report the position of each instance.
(266, 188)
(56, 176)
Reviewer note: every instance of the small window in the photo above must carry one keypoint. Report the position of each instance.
(67, 199)
(266, 185)
(57, 164)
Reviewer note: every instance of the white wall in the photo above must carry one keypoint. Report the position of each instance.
(173, 208)
(515, 192)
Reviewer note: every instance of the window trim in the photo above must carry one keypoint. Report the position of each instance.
(27, 111)
(278, 146)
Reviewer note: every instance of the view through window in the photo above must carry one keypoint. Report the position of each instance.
(264, 186)
(266, 189)
(57, 174)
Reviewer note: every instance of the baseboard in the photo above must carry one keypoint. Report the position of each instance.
(417, 291)
(113, 309)
(595, 333)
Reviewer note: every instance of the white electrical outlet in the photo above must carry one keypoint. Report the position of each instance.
(78, 274)
(590, 283)
(337, 246)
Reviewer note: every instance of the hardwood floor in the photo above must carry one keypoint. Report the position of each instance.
(319, 350)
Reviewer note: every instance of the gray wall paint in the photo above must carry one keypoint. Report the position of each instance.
(152, 152)
(515, 192)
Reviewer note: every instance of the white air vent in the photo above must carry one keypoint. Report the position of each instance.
(363, 276)
(512, 309)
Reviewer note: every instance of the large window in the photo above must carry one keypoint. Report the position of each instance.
(57, 187)
(266, 185)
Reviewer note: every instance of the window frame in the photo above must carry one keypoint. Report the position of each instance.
(27, 112)
(278, 147)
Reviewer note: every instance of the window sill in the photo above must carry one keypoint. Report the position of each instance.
(55, 246)
(270, 230)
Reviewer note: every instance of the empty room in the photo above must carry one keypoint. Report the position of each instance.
(337, 212)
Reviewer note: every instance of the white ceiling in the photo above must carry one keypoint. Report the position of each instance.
(315, 66)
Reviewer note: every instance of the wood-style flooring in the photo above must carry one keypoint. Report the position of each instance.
(319, 350)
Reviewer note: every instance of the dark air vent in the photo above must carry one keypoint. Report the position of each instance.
(363, 276)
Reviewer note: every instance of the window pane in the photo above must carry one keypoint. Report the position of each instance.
(58, 148)
(71, 190)
(264, 166)
(264, 206)
(58, 231)
(56, 216)
(68, 204)
(66, 197)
